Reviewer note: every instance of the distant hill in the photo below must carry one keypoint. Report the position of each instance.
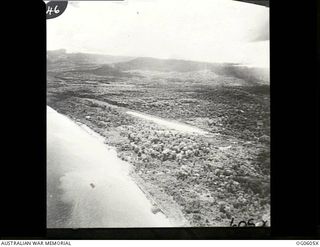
(61, 56)
(165, 65)
(250, 74)
(118, 65)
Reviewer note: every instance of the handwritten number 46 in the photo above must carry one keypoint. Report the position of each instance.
(51, 10)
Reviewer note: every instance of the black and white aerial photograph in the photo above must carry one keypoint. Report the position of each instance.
(158, 114)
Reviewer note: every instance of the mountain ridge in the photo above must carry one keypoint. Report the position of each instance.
(109, 63)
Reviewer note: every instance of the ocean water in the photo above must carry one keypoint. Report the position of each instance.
(88, 186)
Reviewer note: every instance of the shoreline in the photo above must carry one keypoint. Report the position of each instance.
(175, 216)
(97, 137)
(157, 179)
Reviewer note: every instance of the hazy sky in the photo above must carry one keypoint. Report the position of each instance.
(204, 30)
